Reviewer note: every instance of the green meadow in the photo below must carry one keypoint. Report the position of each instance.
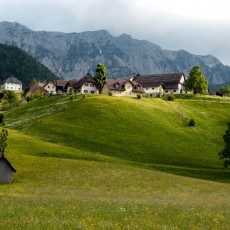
(117, 163)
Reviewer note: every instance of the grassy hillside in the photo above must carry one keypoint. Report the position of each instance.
(150, 132)
(60, 193)
(96, 163)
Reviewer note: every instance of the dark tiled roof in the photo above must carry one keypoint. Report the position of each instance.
(12, 79)
(158, 79)
(62, 83)
(116, 84)
(3, 159)
(87, 78)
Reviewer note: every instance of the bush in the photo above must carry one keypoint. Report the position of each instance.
(110, 94)
(169, 97)
(192, 122)
(138, 96)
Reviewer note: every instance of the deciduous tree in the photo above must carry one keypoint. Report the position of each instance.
(197, 82)
(100, 76)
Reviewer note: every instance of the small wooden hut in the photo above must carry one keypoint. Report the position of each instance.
(6, 170)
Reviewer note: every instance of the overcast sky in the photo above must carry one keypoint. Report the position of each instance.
(199, 26)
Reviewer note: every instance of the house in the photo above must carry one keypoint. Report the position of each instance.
(85, 85)
(50, 87)
(61, 86)
(122, 87)
(6, 170)
(72, 84)
(169, 83)
(11, 83)
(36, 88)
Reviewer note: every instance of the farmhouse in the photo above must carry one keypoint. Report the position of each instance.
(6, 170)
(11, 83)
(50, 87)
(34, 89)
(168, 83)
(122, 87)
(85, 85)
(61, 86)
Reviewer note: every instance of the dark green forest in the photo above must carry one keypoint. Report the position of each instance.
(14, 61)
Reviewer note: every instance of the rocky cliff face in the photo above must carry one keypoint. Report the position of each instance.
(72, 55)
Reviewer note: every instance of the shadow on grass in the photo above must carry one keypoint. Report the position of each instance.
(217, 175)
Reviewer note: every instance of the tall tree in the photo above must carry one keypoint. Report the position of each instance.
(100, 76)
(197, 82)
(3, 139)
(225, 154)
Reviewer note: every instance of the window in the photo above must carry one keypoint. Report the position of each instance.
(174, 90)
(85, 91)
(128, 87)
(48, 86)
(92, 85)
(146, 88)
(130, 93)
(152, 88)
(114, 91)
(92, 92)
(86, 84)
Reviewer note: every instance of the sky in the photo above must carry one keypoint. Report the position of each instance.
(200, 27)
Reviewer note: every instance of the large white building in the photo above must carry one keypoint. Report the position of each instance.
(11, 83)
(167, 83)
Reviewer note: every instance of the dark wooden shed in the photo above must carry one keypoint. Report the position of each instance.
(6, 171)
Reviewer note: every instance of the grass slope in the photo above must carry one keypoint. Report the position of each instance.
(153, 133)
(93, 164)
(60, 193)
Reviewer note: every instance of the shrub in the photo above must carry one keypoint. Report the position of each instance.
(110, 93)
(192, 122)
(138, 96)
(169, 97)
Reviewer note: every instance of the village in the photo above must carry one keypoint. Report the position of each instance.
(151, 85)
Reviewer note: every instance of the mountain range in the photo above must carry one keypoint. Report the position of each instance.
(72, 55)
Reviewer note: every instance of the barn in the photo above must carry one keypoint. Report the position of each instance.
(6, 171)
